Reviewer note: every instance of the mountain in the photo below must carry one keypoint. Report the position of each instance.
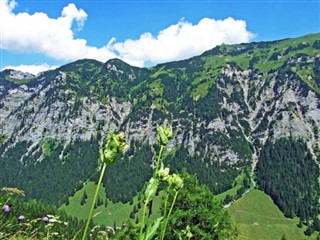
(253, 107)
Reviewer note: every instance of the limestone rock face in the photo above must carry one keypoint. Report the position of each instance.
(223, 105)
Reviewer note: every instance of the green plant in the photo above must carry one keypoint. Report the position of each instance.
(21, 219)
(115, 145)
(174, 181)
(197, 214)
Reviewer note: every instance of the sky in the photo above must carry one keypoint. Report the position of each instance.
(38, 35)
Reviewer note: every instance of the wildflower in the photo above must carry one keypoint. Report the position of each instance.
(21, 218)
(164, 135)
(45, 219)
(114, 146)
(164, 173)
(176, 181)
(6, 208)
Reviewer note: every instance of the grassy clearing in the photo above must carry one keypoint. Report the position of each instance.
(202, 89)
(156, 205)
(114, 212)
(255, 214)
(20, 81)
(257, 217)
(156, 88)
(232, 191)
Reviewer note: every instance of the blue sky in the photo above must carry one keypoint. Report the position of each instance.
(37, 35)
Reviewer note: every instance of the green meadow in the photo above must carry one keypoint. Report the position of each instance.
(258, 218)
(255, 214)
(114, 213)
(109, 214)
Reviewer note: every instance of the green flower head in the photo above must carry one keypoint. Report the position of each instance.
(175, 181)
(164, 134)
(115, 145)
(164, 173)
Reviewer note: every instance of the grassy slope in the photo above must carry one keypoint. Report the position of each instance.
(258, 218)
(113, 213)
(20, 81)
(255, 214)
(232, 191)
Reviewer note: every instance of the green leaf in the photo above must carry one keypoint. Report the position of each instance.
(153, 229)
(151, 189)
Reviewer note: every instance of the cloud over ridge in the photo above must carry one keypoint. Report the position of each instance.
(54, 37)
(33, 69)
(182, 40)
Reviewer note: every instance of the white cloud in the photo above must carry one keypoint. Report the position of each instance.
(34, 69)
(183, 40)
(38, 33)
(55, 38)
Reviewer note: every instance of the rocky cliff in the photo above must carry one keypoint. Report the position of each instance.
(223, 105)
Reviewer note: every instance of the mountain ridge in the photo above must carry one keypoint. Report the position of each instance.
(213, 50)
(224, 106)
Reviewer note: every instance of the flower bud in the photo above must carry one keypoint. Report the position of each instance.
(176, 181)
(164, 134)
(21, 218)
(164, 173)
(114, 146)
(168, 132)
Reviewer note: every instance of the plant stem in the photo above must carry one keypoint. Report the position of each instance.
(167, 217)
(94, 201)
(158, 161)
(147, 201)
(142, 221)
(165, 208)
(166, 204)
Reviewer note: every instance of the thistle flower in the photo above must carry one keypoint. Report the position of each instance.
(164, 173)
(45, 219)
(6, 208)
(164, 134)
(175, 181)
(21, 218)
(114, 146)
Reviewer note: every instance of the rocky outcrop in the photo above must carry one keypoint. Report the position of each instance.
(253, 103)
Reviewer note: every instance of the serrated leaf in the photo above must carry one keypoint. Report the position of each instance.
(151, 189)
(151, 231)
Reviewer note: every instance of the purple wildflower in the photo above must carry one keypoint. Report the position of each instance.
(45, 219)
(21, 218)
(6, 208)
